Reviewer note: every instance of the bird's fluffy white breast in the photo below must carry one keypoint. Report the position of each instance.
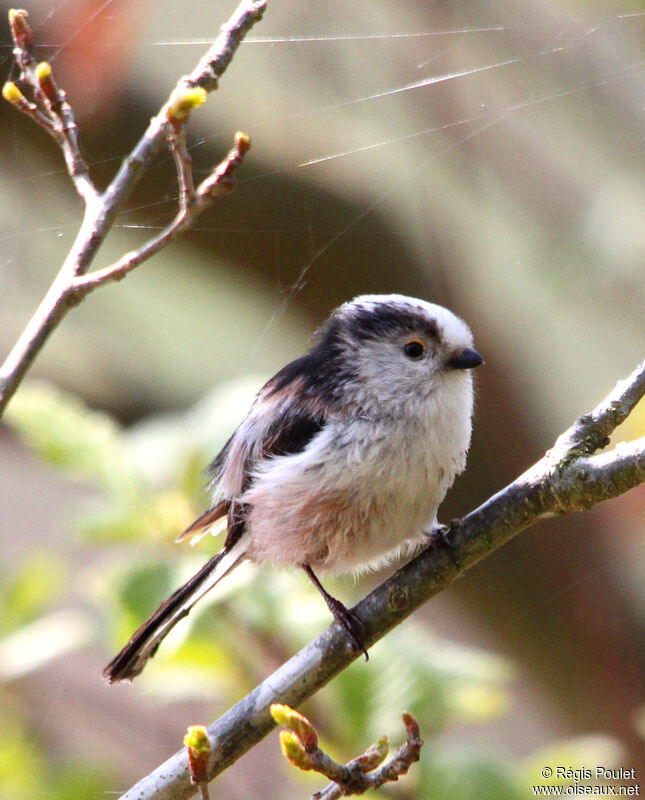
(362, 488)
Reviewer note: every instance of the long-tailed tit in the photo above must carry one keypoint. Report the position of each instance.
(343, 459)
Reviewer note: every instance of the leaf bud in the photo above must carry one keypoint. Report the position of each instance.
(294, 752)
(12, 93)
(297, 723)
(184, 102)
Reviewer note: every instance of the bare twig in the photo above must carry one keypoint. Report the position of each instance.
(49, 109)
(300, 746)
(591, 431)
(193, 203)
(183, 161)
(405, 756)
(55, 114)
(569, 477)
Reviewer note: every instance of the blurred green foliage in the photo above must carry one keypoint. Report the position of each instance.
(26, 771)
(29, 592)
(258, 623)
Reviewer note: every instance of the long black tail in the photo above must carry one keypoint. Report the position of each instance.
(144, 642)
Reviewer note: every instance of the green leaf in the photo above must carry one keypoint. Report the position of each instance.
(438, 681)
(466, 775)
(142, 588)
(66, 433)
(22, 771)
(78, 781)
(30, 589)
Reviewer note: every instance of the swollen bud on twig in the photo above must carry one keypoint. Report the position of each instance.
(21, 33)
(12, 93)
(374, 755)
(294, 752)
(242, 142)
(43, 71)
(411, 725)
(300, 746)
(184, 102)
(199, 748)
(303, 729)
(222, 178)
(45, 80)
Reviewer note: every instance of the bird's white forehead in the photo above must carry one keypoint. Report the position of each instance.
(452, 329)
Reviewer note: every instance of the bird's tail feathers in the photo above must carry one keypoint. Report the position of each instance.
(131, 660)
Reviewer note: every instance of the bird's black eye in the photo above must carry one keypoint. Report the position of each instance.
(414, 348)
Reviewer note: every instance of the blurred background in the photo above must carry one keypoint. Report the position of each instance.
(485, 156)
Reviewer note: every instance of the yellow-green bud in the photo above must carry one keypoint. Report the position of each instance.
(12, 93)
(242, 142)
(280, 713)
(300, 725)
(184, 102)
(199, 748)
(17, 16)
(374, 755)
(43, 71)
(197, 738)
(294, 752)
(45, 80)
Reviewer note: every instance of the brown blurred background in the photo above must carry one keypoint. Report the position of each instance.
(509, 187)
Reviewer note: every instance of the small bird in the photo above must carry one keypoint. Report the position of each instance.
(343, 459)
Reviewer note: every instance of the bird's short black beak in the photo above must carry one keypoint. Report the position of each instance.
(465, 359)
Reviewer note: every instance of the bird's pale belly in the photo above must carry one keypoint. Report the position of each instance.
(347, 528)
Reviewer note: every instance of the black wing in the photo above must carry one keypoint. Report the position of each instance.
(291, 431)
(290, 409)
(272, 428)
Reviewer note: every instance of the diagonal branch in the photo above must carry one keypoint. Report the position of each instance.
(51, 110)
(567, 478)
(591, 431)
(192, 204)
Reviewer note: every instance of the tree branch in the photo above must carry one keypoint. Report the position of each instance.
(52, 112)
(300, 747)
(568, 478)
(192, 204)
(55, 114)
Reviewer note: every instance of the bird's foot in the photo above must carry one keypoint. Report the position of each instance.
(347, 620)
(441, 537)
(350, 623)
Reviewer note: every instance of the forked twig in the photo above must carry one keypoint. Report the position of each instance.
(192, 204)
(300, 746)
(36, 94)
